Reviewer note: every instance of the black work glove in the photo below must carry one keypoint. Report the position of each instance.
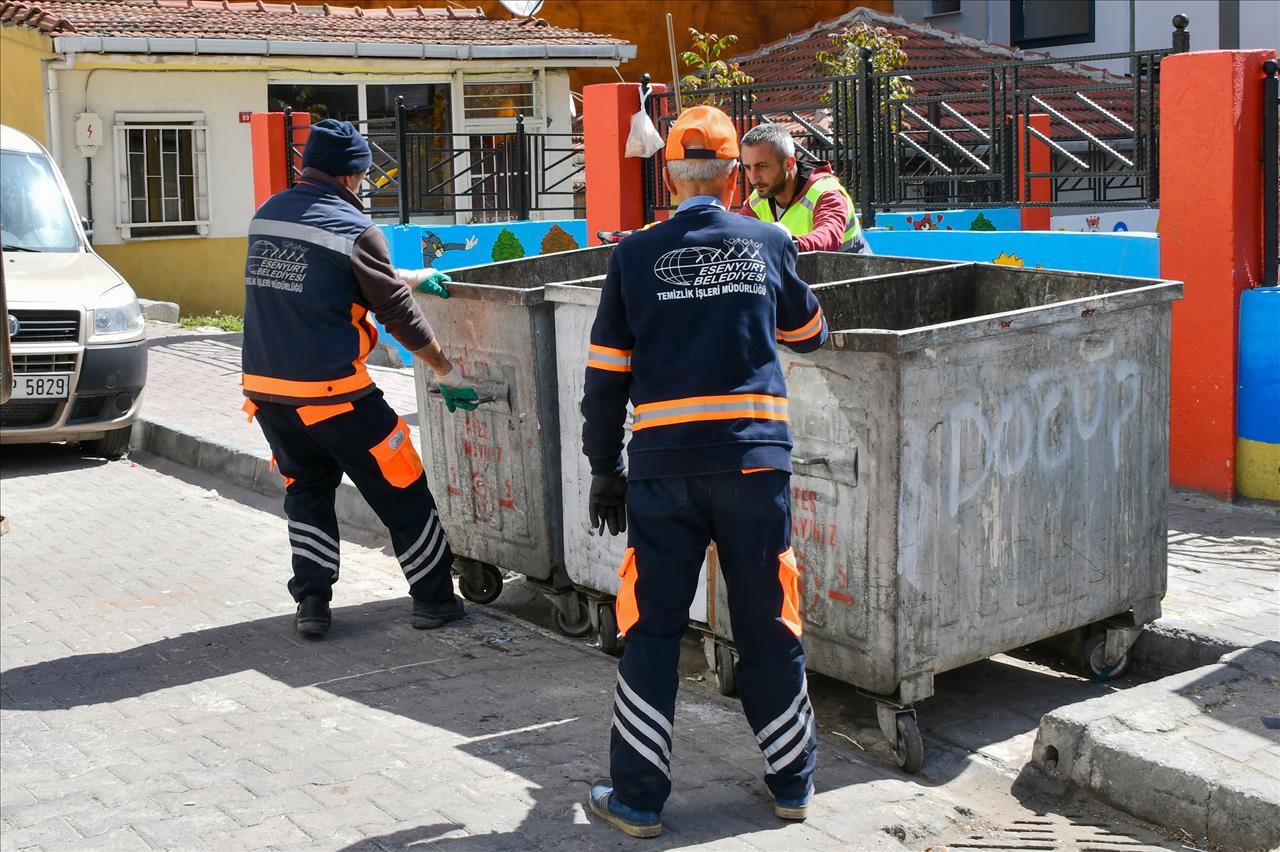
(607, 504)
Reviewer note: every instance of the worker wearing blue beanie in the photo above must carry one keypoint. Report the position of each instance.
(336, 148)
(317, 267)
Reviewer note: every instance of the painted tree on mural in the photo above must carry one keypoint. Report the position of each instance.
(981, 223)
(507, 246)
(558, 239)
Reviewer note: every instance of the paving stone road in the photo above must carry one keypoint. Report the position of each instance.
(153, 695)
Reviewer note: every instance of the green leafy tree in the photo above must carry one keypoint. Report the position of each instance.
(507, 246)
(708, 69)
(981, 223)
(887, 55)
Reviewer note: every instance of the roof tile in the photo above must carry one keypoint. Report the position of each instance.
(220, 19)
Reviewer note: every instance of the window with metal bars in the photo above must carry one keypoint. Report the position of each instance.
(163, 166)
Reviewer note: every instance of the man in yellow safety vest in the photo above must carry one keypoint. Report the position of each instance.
(807, 199)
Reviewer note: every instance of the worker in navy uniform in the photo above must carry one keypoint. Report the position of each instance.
(690, 316)
(317, 266)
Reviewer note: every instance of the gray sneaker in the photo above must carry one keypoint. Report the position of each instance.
(429, 616)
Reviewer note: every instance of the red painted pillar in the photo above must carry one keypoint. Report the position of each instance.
(1034, 218)
(615, 189)
(1210, 239)
(266, 130)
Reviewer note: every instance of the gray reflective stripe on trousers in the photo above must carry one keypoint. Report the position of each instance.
(302, 233)
(300, 550)
(604, 358)
(755, 407)
(641, 749)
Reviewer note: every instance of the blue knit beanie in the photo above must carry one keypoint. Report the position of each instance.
(336, 148)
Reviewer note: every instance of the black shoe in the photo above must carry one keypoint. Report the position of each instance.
(313, 618)
(429, 616)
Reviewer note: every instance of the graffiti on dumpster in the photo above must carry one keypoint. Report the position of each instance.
(816, 539)
(1040, 426)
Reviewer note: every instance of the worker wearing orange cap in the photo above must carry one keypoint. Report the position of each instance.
(691, 312)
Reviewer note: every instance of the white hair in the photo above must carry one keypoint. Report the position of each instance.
(772, 134)
(701, 170)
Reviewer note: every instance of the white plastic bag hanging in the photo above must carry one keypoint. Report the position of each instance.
(644, 140)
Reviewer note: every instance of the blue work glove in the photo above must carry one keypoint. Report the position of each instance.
(426, 281)
(456, 391)
(607, 503)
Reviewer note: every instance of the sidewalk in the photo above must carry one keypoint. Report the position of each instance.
(1202, 726)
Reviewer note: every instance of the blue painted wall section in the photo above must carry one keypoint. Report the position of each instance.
(1134, 254)
(1258, 396)
(446, 247)
(995, 219)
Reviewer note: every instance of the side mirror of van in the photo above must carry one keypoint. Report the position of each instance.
(88, 229)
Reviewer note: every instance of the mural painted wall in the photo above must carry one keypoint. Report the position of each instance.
(1133, 254)
(996, 219)
(1146, 220)
(448, 247)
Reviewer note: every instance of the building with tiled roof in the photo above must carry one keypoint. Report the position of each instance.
(165, 89)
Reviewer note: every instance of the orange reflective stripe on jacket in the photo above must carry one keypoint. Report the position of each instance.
(307, 390)
(804, 332)
(695, 409)
(605, 358)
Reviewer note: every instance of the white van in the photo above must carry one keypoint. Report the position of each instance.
(77, 332)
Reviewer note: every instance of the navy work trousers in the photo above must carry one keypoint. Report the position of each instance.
(313, 446)
(670, 522)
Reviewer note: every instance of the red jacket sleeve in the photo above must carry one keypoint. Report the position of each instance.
(830, 219)
(746, 210)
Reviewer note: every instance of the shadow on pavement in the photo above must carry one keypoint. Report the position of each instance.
(548, 729)
(19, 460)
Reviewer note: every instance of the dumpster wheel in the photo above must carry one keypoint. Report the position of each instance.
(908, 751)
(726, 670)
(572, 615)
(607, 630)
(1092, 658)
(479, 582)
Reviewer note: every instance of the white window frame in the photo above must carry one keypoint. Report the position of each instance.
(193, 122)
(537, 93)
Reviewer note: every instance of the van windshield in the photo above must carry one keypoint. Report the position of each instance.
(33, 213)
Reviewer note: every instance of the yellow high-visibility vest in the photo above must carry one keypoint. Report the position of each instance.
(798, 218)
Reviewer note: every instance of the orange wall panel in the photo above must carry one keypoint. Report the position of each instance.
(1210, 238)
(644, 24)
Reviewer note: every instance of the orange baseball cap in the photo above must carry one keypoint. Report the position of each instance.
(719, 137)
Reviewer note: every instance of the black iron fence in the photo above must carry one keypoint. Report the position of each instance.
(972, 136)
(482, 176)
(1270, 174)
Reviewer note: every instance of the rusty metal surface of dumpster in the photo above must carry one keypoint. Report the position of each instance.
(495, 472)
(593, 561)
(982, 463)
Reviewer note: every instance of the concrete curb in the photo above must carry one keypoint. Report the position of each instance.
(246, 469)
(1129, 750)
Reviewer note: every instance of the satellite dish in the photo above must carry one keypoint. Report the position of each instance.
(522, 8)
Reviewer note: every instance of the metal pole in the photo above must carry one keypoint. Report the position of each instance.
(288, 146)
(866, 144)
(522, 169)
(1270, 173)
(1181, 38)
(675, 74)
(402, 154)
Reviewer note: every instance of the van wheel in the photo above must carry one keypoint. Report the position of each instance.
(111, 446)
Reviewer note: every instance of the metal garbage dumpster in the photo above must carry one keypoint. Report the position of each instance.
(980, 463)
(592, 561)
(495, 471)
